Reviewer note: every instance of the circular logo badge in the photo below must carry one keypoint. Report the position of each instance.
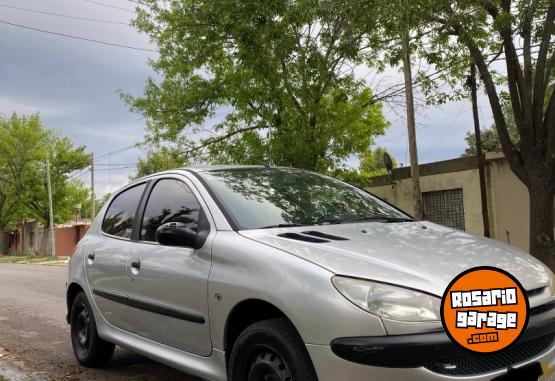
(485, 310)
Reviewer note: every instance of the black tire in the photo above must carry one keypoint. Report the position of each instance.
(270, 350)
(90, 350)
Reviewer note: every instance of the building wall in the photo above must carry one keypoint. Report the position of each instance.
(400, 194)
(65, 241)
(67, 238)
(508, 202)
(28, 237)
(509, 199)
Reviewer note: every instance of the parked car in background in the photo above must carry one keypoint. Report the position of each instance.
(278, 274)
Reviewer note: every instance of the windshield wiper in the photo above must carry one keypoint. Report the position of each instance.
(380, 219)
(281, 226)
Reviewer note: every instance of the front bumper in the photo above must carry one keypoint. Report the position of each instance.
(432, 356)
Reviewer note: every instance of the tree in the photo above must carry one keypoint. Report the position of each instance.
(66, 194)
(392, 29)
(21, 139)
(490, 142)
(372, 161)
(86, 203)
(159, 158)
(519, 33)
(277, 76)
(25, 145)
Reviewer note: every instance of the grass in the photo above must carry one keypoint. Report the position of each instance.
(3, 378)
(31, 259)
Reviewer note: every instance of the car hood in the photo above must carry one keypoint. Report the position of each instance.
(420, 255)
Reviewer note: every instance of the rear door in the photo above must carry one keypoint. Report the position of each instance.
(108, 254)
(170, 284)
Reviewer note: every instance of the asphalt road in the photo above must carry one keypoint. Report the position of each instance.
(34, 338)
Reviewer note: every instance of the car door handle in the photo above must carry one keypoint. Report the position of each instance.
(136, 264)
(91, 256)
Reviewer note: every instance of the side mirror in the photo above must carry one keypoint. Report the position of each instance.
(176, 234)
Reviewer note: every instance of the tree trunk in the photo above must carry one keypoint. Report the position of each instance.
(3, 247)
(541, 221)
(44, 244)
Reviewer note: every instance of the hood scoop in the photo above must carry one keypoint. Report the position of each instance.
(300, 237)
(312, 236)
(325, 235)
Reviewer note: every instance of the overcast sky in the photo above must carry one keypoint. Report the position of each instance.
(73, 84)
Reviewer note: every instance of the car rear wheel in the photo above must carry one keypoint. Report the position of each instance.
(270, 350)
(90, 350)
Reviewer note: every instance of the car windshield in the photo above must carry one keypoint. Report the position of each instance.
(277, 197)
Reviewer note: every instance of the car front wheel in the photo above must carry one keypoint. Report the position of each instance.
(90, 350)
(270, 350)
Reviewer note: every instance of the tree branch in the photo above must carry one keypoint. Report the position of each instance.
(549, 125)
(549, 68)
(497, 55)
(489, 7)
(540, 79)
(518, 87)
(210, 141)
(509, 149)
(527, 50)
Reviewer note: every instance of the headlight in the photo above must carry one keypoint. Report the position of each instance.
(390, 302)
(551, 282)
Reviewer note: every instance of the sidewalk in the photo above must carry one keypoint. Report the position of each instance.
(35, 260)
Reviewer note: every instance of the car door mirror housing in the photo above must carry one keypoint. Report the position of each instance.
(176, 234)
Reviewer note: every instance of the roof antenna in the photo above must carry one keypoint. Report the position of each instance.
(269, 147)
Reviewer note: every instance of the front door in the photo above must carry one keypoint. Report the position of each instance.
(169, 283)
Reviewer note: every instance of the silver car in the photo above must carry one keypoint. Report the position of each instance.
(262, 273)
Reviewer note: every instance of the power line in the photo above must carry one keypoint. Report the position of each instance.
(422, 127)
(109, 6)
(63, 15)
(114, 169)
(77, 37)
(439, 74)
(79, 173)
(115, 152)
(115, 165)
(447, 130)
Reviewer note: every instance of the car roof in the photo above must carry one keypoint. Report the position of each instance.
(205, 168)
(208, 168)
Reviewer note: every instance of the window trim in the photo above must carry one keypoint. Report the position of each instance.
(137, 210)
(233, 223)
(137, 227)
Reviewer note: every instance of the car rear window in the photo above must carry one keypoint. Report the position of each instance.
(118, 220)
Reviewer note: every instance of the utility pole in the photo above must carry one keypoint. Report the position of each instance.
(481, 161)
(93, 196)
(411, 125)
(50, 211)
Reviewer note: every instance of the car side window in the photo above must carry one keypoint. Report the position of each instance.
(118, 220)
(170, 201)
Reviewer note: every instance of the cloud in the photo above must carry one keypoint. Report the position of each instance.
(73, 85)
